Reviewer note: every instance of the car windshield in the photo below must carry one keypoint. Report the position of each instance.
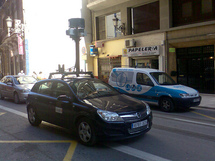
(162, 78)
(92, 88)
(25, 80)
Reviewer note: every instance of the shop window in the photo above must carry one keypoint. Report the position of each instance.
(192, 11)
(145, 18)
(105, 26)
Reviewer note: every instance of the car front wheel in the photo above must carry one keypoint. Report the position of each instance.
(86, 132)
(16, 98)
(166, 104)
(32, 117)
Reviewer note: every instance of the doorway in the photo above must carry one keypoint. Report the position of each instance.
(195, 68)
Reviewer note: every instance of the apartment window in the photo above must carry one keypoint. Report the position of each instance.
(192, 11)
(105, 27)
(145, 18)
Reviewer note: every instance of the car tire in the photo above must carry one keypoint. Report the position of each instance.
(32, 117)
(16, 98)
(1, 97)
(166, 104)
(86, 132)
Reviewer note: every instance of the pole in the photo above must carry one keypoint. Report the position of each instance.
(77, 39)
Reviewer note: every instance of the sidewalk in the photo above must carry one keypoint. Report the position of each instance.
(208, 100)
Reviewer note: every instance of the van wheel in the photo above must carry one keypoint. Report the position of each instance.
(86, 132)
(166, 104)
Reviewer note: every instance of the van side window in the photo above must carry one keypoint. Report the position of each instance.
(121, 75)
(143, 79)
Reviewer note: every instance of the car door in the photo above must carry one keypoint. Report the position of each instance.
(9, 88)
(145, 87)
(43, 101)
(62, 104)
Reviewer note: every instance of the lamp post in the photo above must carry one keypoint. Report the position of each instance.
(120, 28)
(9, 24)
(75, 31)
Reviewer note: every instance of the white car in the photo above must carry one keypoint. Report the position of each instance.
(154, 87)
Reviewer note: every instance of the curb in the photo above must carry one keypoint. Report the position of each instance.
(212, 108)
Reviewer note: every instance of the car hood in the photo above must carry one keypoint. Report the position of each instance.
(25, 86)
(117, 103)
(182, 88)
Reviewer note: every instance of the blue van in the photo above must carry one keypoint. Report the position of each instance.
(154, 87)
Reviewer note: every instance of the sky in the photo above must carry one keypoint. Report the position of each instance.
(46, 24)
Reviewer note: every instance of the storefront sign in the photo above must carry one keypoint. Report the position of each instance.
(141, 51)
(172, 50)
(20, 45)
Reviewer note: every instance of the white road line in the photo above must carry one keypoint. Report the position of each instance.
(14, 111)
(125, 149)
(194, 122)
(135, 152)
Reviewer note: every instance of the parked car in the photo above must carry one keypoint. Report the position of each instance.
(88, 107)
(16, 87)
(154, 87)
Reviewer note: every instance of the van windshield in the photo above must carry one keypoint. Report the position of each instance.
(162, 78)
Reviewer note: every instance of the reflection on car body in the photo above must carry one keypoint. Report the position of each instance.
(89, 107)
(16, 87)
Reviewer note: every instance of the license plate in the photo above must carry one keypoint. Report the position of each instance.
(139, 124)
(196, 100)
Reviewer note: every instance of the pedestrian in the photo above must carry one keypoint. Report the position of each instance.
(21, 73)
(40, 75)
(34, 75)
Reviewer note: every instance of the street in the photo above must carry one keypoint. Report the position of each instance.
(181, 135)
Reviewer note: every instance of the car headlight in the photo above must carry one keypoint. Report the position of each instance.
(148, 110)
(109, 116)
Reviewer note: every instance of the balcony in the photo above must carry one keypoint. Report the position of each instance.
(96, 5)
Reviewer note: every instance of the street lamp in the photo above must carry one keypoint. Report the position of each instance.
(75, 31)
(18, 27)
(120, 28)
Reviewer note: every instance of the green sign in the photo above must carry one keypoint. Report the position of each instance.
(172, 50)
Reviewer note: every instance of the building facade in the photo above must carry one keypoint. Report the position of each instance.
(12, 50)
(175, 36)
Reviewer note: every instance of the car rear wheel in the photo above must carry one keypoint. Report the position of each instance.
(16, 98)
(166, 104)
(86, 132)
(32, 117)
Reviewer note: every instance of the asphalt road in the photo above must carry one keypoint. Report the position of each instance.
(181, 135)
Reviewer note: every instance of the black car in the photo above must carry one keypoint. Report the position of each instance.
(89, 107)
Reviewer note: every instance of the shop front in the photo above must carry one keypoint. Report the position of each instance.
(143, 57)
(195, 66)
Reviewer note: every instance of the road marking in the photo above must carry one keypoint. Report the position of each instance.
(194, 122)
(14, 111)
(135, 152)
(35, 141)
(125, 149)
(70, 151)
(203, 115)
(2, 113)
